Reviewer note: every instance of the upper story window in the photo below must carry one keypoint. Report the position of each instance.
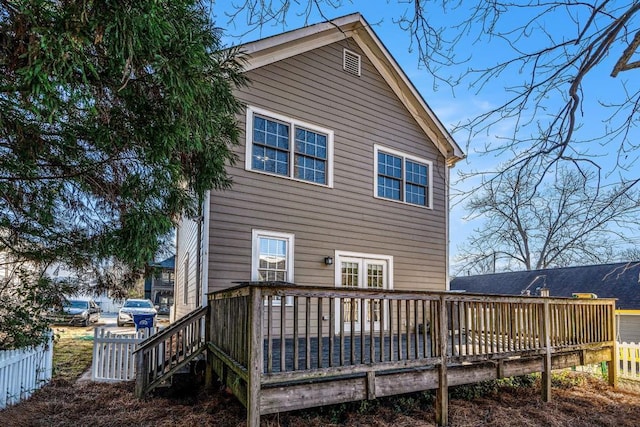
(402, 177)
(279, 145)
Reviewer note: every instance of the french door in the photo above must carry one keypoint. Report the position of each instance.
(360, 273)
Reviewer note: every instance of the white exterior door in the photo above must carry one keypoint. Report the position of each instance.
(363, 273)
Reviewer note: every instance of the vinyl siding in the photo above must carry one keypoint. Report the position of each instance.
(629, 328)
(186, 247)
(361, 111)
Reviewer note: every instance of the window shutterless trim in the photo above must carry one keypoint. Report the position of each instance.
(292, 123)
(403, 180)
(255, 255)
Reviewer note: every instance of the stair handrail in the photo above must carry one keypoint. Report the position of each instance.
(143, 353)
(154, 339)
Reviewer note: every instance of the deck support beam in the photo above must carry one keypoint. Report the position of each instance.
(546, 373)
(614, 364)
(371, 385)
(442, 393)
(255, 357)
(209, 374)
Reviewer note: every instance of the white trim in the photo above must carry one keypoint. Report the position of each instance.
(255, 251)
(255, 256)
(276, 48)
(345, 254)
(405, 156)
(251, 110)
(341, 256)
(204, 259)
(261, 54)
(447, 232)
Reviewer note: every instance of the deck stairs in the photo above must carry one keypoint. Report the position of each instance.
(170, 352)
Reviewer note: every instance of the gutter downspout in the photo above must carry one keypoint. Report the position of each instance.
(199, 259)
(446, 234)
(204, 247)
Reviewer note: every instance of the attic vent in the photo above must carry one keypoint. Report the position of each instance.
(351, 62)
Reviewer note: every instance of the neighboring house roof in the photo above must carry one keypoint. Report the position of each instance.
(620, 280)
(276, 48)
(168, 263)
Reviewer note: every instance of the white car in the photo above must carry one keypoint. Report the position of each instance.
(135, 306)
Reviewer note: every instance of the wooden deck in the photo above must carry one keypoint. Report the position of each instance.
(281, 347)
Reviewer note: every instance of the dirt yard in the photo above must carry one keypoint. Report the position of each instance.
(576, 402)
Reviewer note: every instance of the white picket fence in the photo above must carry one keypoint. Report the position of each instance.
(23, 371)
(113, 358)
(629, 361)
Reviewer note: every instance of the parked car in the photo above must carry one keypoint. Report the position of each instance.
(75, 312)
(135, 306)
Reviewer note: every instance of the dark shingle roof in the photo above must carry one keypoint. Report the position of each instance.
(168, 263)
(621, 281)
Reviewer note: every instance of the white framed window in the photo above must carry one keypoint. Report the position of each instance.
(272, 258)
(402, 178)
(286, 147)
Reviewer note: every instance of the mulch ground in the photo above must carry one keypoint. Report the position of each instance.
(589, 403)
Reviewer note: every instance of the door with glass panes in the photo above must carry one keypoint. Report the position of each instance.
(361, 273)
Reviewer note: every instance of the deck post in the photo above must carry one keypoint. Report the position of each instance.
(614, 364)
(255, 356)
(546, 373)
(142, 376)
(209, 374)
(442, 394)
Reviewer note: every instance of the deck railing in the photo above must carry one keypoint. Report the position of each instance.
(275, 334)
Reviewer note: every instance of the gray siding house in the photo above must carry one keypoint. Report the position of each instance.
(343, 180)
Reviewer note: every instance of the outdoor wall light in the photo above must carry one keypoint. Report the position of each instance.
(328, 260)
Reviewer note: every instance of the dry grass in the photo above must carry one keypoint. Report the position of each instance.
(591, 403)
(577, 401)
(72, 352)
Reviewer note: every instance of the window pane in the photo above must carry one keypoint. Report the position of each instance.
(259, 136)
(311, 155)
(271, 133)
(282, 163)
(259, 123)
(350, 274)
(270, 146)
(416, 194)
(389, 165)
(389, 188)
(375, 277)
(273, 262)
(310, 169)
(416, 173)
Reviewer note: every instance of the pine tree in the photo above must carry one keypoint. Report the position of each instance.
(116, 117)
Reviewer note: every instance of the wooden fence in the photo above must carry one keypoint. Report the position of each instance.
(113, 358)
(629, 361)
(281, 347)
(23, 371)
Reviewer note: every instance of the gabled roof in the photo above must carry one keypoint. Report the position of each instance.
(168, 263)
(276, 48)
(620, 280)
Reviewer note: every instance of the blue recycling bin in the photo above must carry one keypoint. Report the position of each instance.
(143, 321)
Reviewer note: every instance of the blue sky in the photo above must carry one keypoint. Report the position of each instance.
(451, 106)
